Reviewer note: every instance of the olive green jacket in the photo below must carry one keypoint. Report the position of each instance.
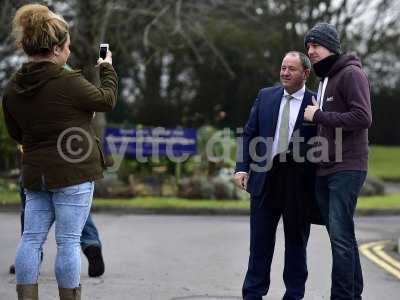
(49, 109)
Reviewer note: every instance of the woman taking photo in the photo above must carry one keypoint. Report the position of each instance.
(49, 110)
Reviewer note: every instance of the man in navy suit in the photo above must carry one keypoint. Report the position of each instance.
(275, 167)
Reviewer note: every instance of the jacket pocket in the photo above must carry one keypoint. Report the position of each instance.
(105, 162)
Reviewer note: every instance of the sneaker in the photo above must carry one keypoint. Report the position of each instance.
(95, 259)
(12, 269)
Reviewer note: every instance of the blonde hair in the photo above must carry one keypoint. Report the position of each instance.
(37, 29)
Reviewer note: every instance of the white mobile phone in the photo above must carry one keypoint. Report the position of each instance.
(103, 50)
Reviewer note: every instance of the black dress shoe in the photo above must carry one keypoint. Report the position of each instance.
(12, 269)
(95, 259)
(252, 297)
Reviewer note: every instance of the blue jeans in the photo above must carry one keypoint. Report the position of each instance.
(337, 197)
(90, 235)
(68, 208)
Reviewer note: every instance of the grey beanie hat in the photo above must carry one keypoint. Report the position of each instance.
(325, 35)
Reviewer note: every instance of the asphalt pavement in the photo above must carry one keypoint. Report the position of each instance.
(192, 257)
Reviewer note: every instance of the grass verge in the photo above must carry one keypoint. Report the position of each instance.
(384, 162)
(387, 202)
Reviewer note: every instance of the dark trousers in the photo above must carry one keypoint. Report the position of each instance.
(337, 198)
(264, 219)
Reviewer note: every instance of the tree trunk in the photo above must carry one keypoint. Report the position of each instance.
(90, 30)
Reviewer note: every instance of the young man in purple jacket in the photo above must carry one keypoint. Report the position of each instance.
(342, 113)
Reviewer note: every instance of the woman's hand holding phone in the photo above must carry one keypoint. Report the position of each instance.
(108, 55)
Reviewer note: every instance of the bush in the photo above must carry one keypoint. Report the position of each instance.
(196, 187)
(206, 187)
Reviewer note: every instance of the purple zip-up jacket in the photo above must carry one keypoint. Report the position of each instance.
(346, 108)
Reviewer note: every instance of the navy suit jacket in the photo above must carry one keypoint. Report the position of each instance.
(262, 124)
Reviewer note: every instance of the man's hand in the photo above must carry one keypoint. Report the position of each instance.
(310, 110)
(240, 179)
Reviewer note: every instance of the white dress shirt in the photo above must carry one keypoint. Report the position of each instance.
(295, 105)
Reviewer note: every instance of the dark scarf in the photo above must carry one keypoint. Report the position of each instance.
(323, 67)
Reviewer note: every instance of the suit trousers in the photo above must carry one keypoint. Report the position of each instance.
(265, 213)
